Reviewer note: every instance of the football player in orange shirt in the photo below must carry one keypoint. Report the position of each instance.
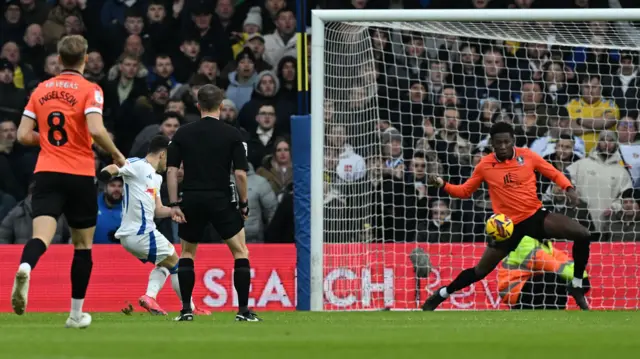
(511, 178)
(67, 110)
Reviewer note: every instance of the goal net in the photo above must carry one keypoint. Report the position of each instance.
(403, 100)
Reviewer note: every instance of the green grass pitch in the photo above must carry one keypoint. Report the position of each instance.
(303, 335)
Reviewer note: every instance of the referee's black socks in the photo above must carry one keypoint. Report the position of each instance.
(32, 251)
(242, 282)
(187, 279)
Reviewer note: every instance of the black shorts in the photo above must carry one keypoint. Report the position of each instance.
(74, 196)
(532, 227)
(201, 208)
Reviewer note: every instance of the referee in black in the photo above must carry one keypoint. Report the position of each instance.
(208, 148)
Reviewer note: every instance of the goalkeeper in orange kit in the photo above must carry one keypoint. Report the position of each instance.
(510, 174)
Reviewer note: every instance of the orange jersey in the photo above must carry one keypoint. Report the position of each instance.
(512, 183)
(59, 106)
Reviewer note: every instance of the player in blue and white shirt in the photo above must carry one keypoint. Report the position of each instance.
(137, 232)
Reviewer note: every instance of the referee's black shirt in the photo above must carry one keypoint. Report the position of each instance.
(208, 148)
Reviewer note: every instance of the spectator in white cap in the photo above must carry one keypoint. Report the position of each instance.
(252, 25)
(253, 22)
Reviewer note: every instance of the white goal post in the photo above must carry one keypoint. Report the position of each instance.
(340, 41)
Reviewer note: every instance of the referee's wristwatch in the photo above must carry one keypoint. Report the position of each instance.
(174, 204)
(244, 208)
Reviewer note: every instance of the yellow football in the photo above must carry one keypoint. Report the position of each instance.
(500, 227)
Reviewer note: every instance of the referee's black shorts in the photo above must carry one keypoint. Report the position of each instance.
(203, 207)
(533, 226)
(74, 196)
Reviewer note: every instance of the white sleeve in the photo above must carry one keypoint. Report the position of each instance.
(159, 182)
(128, 170)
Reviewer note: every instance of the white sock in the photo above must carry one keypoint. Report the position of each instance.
(444, 293)
(157, 277)
(24, 267)
(576, 282)
(76, 308)
(176, 287)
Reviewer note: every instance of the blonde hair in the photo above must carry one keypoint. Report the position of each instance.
(72, 50)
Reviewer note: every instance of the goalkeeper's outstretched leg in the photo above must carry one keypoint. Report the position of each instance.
(488, 262)
(540, 225)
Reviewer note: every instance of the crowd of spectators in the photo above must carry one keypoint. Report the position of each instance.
(434, 98)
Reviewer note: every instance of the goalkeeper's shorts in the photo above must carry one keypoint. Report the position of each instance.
(532, 227)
